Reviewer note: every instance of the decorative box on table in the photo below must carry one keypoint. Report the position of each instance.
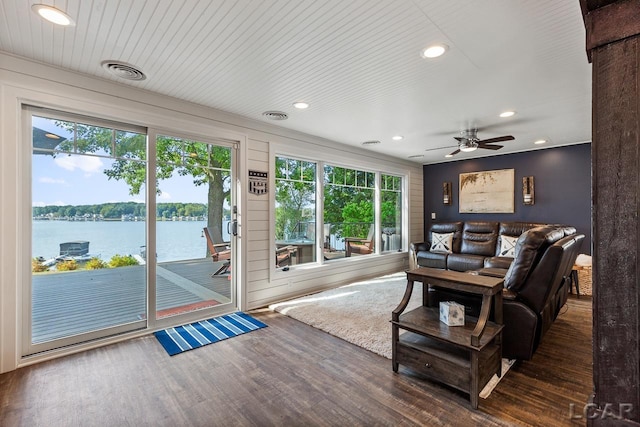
(452, 313)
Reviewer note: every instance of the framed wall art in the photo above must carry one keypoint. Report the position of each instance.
(487, 191)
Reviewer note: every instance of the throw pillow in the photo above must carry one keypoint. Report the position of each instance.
(441, 242)
(508, 246)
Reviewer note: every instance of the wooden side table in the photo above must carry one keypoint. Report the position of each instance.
(464, 357)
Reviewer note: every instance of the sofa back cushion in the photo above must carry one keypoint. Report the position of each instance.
(530, 248)
(448, 227)
(513, 229)
(479, 238)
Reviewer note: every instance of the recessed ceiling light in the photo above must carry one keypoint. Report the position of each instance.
(51, 135)
(52, 14)
(448, 155)
(397, 137)
(505, 114)
(301, 105)
(540, 141)
(434, 51)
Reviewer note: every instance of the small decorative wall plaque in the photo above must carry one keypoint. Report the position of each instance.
(258, 182)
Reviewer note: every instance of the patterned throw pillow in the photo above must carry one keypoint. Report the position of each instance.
(508, 246)
(441, 242)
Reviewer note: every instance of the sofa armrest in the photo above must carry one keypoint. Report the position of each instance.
(420, 246)
(508, 294)
(414, 248)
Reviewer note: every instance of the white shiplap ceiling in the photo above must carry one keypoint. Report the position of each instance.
(357, 63)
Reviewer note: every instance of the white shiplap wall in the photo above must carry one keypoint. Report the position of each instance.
(25, 81)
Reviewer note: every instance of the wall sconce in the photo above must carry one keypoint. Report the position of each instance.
(528, 197)
(446, 193)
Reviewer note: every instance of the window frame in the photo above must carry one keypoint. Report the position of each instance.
(378, 168)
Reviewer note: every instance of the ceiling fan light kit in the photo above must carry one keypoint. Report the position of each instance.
(468, 141)
(468, 146)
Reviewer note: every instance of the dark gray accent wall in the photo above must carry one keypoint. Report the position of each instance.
(562, 188)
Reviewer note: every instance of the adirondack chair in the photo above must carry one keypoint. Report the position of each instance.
(219, 252)
(358, 245)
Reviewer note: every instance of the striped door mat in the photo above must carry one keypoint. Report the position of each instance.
(187, 337)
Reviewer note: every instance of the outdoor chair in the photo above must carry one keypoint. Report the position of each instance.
(284, 256)
(219, 252)
(358, 245)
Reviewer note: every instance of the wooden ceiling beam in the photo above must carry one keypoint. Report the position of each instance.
(608, 21)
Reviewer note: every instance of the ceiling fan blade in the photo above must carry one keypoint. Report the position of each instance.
(490, 147)
(440, 148)
(455, 152)
(498, 139)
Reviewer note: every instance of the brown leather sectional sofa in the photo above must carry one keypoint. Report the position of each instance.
(536, 278)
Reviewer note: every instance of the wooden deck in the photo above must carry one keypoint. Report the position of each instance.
(69, 303)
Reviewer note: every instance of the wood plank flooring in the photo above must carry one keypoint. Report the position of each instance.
(291, 374)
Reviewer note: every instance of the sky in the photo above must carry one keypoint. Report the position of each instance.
(80, 180)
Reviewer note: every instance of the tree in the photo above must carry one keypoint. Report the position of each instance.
(295, 196)
(207, 164)
(349, 201)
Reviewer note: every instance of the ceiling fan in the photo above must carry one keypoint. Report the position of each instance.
(469, 141)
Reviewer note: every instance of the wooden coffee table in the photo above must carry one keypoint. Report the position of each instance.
(464, 357)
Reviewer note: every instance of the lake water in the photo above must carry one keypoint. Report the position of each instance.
(177, 240)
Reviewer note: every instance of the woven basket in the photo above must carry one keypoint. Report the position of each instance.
(584, 279)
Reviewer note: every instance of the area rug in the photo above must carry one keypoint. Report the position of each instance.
(360, 313)
(187, 337)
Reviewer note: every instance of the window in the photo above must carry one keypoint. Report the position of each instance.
(349, 211)
(362, 212)
(391, 212)
(295, 211)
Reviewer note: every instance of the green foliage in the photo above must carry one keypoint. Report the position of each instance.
(95, 263)
(37, 266)
(117, 209)
(122, 261)
(295, 196)
(207, 164)
(345, 187)
(357, 218)
(70, 265)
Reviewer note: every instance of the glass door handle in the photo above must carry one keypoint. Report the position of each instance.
(232, 227)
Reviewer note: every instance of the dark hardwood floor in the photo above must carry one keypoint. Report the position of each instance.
(291, 374)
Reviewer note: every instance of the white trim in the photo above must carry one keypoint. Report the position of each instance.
(22, 80)
(13, 322)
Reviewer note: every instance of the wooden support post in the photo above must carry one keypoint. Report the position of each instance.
(613, 45)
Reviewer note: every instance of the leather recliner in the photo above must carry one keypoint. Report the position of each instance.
(535, 285)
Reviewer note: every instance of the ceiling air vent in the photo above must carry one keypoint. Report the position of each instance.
(123, 70)
(275, 115)
(371, 142)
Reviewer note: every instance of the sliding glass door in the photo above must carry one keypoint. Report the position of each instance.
(111, 254)
(87, 227)
(194, 245)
